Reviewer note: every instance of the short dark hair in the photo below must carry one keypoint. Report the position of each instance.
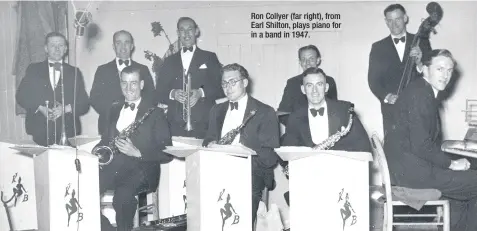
(309, 47)
(428, 56)
(394, 7)
(236, 67)
(55, 34)
(181, 19)
(122, 32)
(132, 69)
(313, 70)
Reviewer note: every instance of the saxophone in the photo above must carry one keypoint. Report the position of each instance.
(230, 136)
(106, 156)
(331, 141)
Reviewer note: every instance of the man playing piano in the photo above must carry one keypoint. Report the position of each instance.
(413, 147)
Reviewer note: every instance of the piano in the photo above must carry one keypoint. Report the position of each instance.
(468, 146)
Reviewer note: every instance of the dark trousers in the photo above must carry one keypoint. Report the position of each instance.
(258, 184)
(460, 188)
(127, 179)
(388, 117)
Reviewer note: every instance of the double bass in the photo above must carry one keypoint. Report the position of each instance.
(427, 26)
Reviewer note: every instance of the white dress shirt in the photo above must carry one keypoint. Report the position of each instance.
(234, 118)
(55, 75)
(400, 46)
(127, 116)
(319, 125)
(122, 66)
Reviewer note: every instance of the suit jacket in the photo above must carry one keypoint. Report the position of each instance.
(294, 99)
(260, 134)
(298, 129)
(151, 138)
(207, 77)
(413, 147)
(106, 88)
(385, 68)
(35, 88)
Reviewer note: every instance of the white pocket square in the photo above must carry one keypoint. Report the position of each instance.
(203, 66)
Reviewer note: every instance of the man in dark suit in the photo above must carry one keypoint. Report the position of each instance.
(261, 133)
(293, 98)
(204, 68)
(321, 118)
(44, 82)
(106, 88)
(388, 59)
(136, 167)
(413, 146)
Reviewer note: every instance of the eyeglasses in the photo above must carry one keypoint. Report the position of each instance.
(230, 83)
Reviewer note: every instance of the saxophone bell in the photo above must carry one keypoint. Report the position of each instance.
(105, 154)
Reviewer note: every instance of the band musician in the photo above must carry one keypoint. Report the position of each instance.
(135, 167)
(261, 132)
(388, 58)
(204, 69)
(292, 99)
(413, 147)
(321, 118)
(106, 85)
(43, 82)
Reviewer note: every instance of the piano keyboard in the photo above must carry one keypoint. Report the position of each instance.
(459, 147)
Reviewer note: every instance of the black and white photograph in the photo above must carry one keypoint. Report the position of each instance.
(238, 115)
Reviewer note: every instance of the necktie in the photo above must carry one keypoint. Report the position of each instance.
(184, 49)
(131, 105)
(56, 65)
(123, 61)
(314, 111)
(233, 105)
(402, 39)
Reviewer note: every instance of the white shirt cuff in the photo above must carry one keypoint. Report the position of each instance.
(202, 91)
(171, 97)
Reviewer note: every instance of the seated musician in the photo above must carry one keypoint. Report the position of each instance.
(321, 118)
(261, 132)
(413, 147)
(135, 167)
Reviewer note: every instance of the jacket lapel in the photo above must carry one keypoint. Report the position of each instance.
(114, 116)
(305, 127)
(392, 49)
(221, 112)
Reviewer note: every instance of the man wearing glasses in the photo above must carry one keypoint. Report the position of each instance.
(388, 58)
(293, 98)
(261, 132)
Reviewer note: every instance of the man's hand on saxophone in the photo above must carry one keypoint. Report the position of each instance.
(127, 147)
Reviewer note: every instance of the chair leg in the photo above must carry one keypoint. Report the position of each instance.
(446, 216)
(136, 216)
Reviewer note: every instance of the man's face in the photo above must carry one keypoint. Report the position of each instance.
(314, 87)
(234, 86)
(439, 73)
(123, 45)
(131, 86)
(309, 58)
(396, 21)
(56, 48)
(187, 33)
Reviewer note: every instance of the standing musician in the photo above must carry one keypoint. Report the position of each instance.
(106, 87)
(413, 147)
(387, 61)
(261, 132)
(136, 167)
(42, 82)
(321, 118)
(293, 98)
(204, 68)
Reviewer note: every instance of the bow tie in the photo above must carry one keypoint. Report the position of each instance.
(123, 61)
(56, 65)
(131, 105)
(314, 111)
(184, 49)
(402, 39)
(233, 105)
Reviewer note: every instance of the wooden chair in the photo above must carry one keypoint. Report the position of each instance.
(442, 215)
